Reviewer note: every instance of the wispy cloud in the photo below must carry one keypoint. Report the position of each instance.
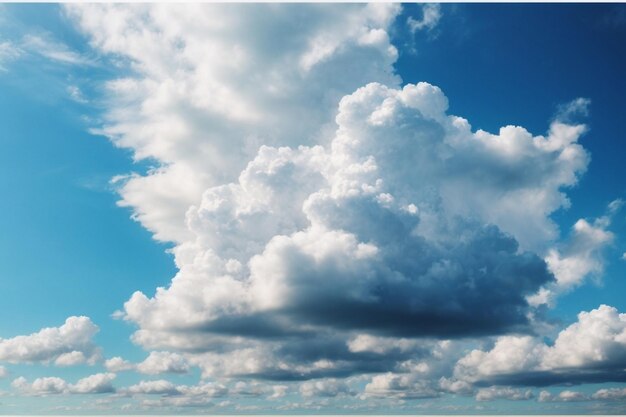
(76, 94)
(53, 50)
(8, 52)
(431, 14)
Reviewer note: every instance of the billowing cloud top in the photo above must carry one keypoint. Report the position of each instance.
(402, 221)
(327, 220)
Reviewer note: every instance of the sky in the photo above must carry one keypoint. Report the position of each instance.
(305, 209)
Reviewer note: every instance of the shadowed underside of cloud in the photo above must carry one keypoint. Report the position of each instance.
(366, 235)
(592, 350)
(312, 200)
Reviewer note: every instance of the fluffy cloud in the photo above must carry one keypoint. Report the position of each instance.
(578, 257)
(563, 396)
(157, 387)
(69, 344)
(591, 350)
(325, 220)
(93, 384)
(205, 93)
(162, 362)
(40, 386)
(324, 388)
(118, 364)
(364, 235)
(400, 386)
(610, 394)
(3, 372)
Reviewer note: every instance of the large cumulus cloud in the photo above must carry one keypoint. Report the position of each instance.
(401, 226)
(326, 221)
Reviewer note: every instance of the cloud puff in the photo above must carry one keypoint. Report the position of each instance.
(591, 350)
(160, 363)
(93, 384)
(563, 396)
(69, 344)
(156, 387)
(118, 364)
(401, 386)
(610, 394)
(578, 257)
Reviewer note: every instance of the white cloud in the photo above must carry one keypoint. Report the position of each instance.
(590, 350)
(563, 396)
(157, 387)
(312, 210)
(69, 344)
(328, 387)
(8, 52)
(503, 393)
(163, 362)
(40, 386)
(53, 50)
(382, 345)
(118, 364)
(203, 117)
(576, 108)
(408, 386)
(307, 247)
(93, 384)
(3, 372)
(610, 394)
(431, 14)
(278, 391)
(579, 257)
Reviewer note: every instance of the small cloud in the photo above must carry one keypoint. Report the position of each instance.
(76, 94)
(431, 14)
(118, 364)
(569, 112)
(69, 344)
(163, 362)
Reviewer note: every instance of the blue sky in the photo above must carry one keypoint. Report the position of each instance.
(325, 197)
